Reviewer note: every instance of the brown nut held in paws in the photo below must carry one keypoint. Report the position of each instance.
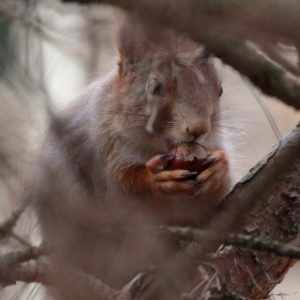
(189, 156)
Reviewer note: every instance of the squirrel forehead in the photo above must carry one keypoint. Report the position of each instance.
(175, 68)
(175, 46)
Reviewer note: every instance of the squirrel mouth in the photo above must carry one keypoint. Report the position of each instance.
(191, 146)
(190, 156)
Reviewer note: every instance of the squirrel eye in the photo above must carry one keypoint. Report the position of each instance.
(155, 87)
(220, 92)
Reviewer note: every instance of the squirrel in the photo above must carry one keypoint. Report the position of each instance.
(104, 161)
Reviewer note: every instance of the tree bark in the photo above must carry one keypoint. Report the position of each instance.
(264, 204)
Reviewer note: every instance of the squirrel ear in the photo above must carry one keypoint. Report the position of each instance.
(129, 44)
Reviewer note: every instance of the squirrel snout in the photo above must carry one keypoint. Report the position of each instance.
(197, 129)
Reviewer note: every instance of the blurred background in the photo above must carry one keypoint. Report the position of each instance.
(48, 53)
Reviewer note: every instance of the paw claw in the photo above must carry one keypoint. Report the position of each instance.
(159, 162)
(185, 174)
(210, 160)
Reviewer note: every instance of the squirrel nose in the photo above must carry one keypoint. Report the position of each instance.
(196, 130)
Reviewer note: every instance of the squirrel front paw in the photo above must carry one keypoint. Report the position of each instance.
(214, 178)
(187, 182)
(167, 181)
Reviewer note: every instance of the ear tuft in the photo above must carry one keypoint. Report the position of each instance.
(126, 41)
(131, 46)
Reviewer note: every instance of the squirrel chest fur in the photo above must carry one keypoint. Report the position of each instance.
(105, 159)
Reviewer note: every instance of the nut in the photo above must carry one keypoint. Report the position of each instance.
(189, 156)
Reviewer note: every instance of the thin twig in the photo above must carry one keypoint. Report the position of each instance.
(13, 258)
(263, 244)
(42, 32)
(7, 226)
(245, 241)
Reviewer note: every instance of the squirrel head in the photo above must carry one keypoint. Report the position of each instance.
(168, 90)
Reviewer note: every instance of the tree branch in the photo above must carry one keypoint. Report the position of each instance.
(256, 187)
(7, 226)
(12, 258)
(224, 26)
(196, 235)
(269, 15)
(265, 203)
(262, 244)
(275, 53)
(74, 282)
(42, 32)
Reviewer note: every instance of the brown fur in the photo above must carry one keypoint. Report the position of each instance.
(96, 168)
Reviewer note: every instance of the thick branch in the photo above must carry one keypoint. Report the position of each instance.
(268, 16)
(272, 78)
(260, 183)
(265, 203)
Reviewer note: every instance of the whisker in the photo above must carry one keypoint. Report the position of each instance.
(124, 113)
(236, 113)
(134, 127)
(240, 122)
(234, 129)
(231, 128)
(266, 112)
(246, 136)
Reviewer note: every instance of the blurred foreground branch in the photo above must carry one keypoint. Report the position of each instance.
(84, 286)
(224, 28)
(266, 203)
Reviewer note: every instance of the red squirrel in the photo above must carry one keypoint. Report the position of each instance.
(104, 161)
